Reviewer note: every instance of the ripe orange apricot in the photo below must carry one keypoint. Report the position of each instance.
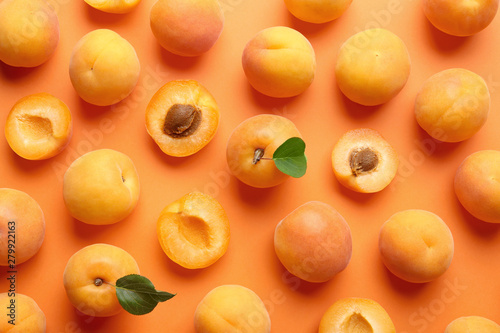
(38, 126)
(29, 32)
(187, 27)
(22, 225)
(460, 17)
(364, 161)
(231, 309)
(356, 315)
(252, 144)
(101, 187)
(194, 230)
(416, 245)
(477, 187)
(317, 11)
(313, 242)
(472, 324)
(453, 105)
(182, 117)
(91, 274)
(114, 6)
(26, 314)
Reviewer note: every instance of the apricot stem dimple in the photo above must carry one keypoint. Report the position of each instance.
(257, 155)
(363, 160)
(182, 120)
(98, 282)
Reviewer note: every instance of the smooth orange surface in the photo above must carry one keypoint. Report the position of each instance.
(322, 115)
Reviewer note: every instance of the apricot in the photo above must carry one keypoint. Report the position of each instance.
(416, 245)
(279, 62)
(182, 117)
(104, 67)
(114, 6)
(363, 161)
(26, 314)
(252, 143)
(472, 324)
(91, 274)
(194, 230)
(187, 27)
(29, 32)
(317, 11)
(476, 185)
(372, 67)
(313, 242)
(453, 105)
(231, 309)
(460, 17)
(356, 315)
(101, 187)
(22, 227)
(38, 126)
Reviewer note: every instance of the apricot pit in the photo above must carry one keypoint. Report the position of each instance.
(182, 120)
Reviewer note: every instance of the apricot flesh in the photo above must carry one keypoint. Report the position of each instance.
(472, 324)
(182, 117)
(476, 185)
(22, 223)
(38, 126)
(261, 135)
(313, 242)
(453, 105)
(29, 317)
(231, 309)
(194, 230)
(363, 161)
(416, 245)
(372, 67)
(356, 315)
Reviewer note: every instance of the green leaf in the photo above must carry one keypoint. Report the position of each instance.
(138, 295)
(290, 158)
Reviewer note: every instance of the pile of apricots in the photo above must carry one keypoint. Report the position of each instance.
(102, 187)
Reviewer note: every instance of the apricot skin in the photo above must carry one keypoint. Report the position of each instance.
(477, 187)
(317, 11)
(279, 62)
(231, 309)
(39, 126)
(472, 324)
(313, 242)
(187, 27)
(356, 315)
(29, 317)
(114, 6)
(416, 245)
(29, 32)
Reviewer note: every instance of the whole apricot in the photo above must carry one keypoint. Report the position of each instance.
(372, 67)
(279, 62)
(453, 105)
(187, 27)
(472, 324)
(29, 32)
(317, 11)
(29, 318)
(313, 242)
(114, 6)
(477, 187)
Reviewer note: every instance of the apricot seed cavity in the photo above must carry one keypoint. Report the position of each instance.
(182, 120)
(363, 160)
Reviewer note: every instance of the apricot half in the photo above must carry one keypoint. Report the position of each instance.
(452, 105)
(26, 314)
(372, 67)
(38, 126)
(194, 230)
(472, 324)
(356, 315)
(22, 227)
(251, 146)
(477, 185)
(114, 6)
(182, 117)
(364, 161)
(231, 309)
(416, 245)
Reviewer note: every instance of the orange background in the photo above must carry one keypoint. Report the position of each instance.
(322, 114)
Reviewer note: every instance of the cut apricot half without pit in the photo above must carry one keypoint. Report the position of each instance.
(182, 117)
(194, 230)
(364, 161)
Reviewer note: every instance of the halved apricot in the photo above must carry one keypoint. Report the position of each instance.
(194, 230)
(182, 117)
(364, 161)
(38, 126)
